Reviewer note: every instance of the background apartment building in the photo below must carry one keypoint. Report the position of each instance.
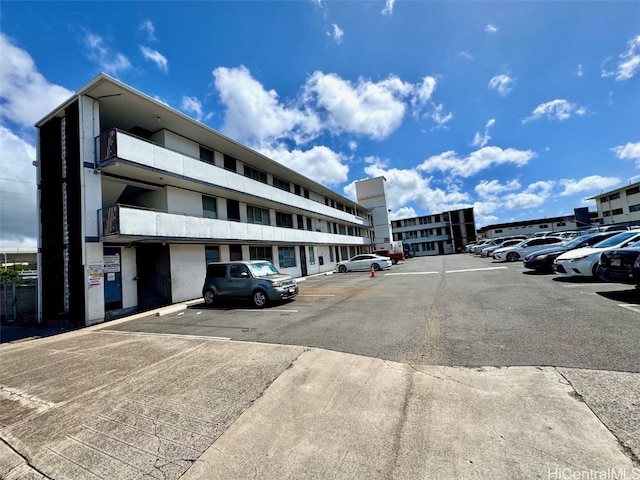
(438, 234)
(619, 206)
(135, 198)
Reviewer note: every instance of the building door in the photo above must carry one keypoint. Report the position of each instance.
(440, 247)
(303, 261)
(154, 276)
(112, 279)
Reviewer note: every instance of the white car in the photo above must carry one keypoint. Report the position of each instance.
(583, 262)
(488, 251)
(366, 261)
(519, 251)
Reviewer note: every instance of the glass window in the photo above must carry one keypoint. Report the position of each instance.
(257, 215)
(616, 211)
(344, 254)
(206, 155)
(261, 253)
(281, 184)
(614, 196)
(233, 210)
(633, 190)
(286, 257)
(331, 255)
(209, 207)
(235, 252)
(211, 254)
(230, 163)
(284, 220)
(634, 208)
(255, 174)
(312, 256)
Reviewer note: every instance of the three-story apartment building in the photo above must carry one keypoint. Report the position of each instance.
(135, 198)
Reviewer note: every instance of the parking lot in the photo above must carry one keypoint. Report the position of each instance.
(446, 310)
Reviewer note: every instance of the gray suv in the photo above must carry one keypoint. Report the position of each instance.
(256, 279)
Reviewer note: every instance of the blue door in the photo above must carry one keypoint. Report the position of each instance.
(112, 279)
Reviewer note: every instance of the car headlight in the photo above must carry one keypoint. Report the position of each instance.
(636, 264)
(540, 257)
(576, 259)
(276, 284)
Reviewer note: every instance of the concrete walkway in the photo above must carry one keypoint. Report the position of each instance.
(93, 404)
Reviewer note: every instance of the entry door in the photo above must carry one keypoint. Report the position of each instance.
(112, 278)
(303, 260)
(154, 276)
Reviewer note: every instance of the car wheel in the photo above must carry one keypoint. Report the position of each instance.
(342, 269)
(594, 270)
(209, 297)
(259, 298)
(394, 261)
(512, 257)
(376, 267)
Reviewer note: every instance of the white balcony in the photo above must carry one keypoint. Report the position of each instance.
(129, 224)
(119, 147)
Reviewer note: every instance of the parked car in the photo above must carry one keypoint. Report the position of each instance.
(257, 280)
(363, 262)
(583, 262)
(520, 250)
(542, 260)
(479, 245)
(395, 257)
(488, 251)
(621, 265)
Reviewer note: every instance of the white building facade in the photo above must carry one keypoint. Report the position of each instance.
(620, 206)
(135, 198)
(437, 234)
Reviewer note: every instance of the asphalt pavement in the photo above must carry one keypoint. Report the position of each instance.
(92, 403)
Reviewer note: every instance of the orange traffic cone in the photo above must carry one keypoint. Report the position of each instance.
(373, 271)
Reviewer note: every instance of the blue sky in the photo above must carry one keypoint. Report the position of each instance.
(520, 109)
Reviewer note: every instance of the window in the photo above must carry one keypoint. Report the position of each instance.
(614, 196)
(604, 199)
(235, 252)
(309, 224)
(238, 271)
(286, 257)
(233, 210)
(296, 189)
(300, 222)
(211, 254)
(633, 190)
(206, 155)
(634, 208)
(561, 224)
(284, 220)
(606, 214)
(281, 184)
(216, 271)
(258, 175)
(499, 231)
(344, 255)
(616, 211)
(261, 253)
(209, 207)
(257, 215)
(230, 163)
(331, 255)
(312, 256)
(342, 229)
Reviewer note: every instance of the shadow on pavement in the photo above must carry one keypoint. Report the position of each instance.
(16, 333)
(629, 296)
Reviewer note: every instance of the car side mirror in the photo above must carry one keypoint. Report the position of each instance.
(244, 275)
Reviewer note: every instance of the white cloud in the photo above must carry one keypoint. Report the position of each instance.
(490, 28)
(109, 61)
(18, 215)
(558, 109)
(156, 57)
(630, 151)
(254, 115)
(466, 55)
(587, 184)
(475, 162)
(533, 196)
(440, 119)
(503, 84)
(21, 84)
(320, 163)
(579, 70)
(481, 140)
(147, 27)
(388, 7)
(403, 212)
(491, 189)
(192, 105)
(336, 33)
(629, 62)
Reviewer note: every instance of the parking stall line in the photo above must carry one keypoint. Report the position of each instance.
(409, 273)
(255, 310)
(628, 306)
(309, 295)
(476, 269)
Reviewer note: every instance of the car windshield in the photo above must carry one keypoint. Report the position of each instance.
(577, 241)
(262, 269)
(616, 239)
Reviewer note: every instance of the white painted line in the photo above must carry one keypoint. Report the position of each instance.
(410, 273)
(476, 269)
(578, 285)
(171, 309)
(150, 334)
(633, 308)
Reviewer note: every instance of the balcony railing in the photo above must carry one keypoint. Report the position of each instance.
(130, 223)
(115, 144)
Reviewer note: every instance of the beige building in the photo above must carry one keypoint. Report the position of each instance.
(619, 206)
